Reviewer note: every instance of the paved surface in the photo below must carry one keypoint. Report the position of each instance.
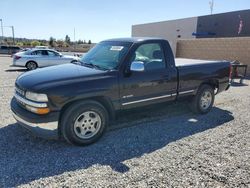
(166, 146)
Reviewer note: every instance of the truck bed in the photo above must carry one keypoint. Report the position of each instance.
(181, 62)
(193, 72)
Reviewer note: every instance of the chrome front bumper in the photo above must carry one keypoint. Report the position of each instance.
(45, 126)
(47, 130)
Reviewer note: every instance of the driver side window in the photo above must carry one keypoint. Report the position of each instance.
(151, 55)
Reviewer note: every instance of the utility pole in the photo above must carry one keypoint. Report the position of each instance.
(211, 3)
(74, 38)
(13, 34)
(2, 29)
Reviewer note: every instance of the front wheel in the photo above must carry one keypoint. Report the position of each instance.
(203, 101)
(83, 123)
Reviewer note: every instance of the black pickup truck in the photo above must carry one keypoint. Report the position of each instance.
(77, 101)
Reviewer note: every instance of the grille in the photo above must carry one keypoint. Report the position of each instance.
(20, 92)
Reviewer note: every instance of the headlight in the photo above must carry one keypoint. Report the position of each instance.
(36, 97)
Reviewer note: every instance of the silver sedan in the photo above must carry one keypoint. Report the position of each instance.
(35, 58)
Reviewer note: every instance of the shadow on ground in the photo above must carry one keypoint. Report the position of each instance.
(238, 84)
(25, 158)
(16, 70)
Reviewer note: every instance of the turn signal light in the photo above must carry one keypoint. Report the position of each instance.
(43, 111)
(39, 111)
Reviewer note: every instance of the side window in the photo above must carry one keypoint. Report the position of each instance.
(37, 52)
(51, 53)
(44, 52)
(4, 47)
(151, 55)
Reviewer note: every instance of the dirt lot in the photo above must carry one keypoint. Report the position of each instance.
(166, 146)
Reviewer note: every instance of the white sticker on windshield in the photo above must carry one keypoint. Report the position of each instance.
(116, 48)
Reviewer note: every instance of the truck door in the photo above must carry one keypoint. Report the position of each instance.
(157, 83)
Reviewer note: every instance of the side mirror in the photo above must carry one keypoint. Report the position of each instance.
(137, 66)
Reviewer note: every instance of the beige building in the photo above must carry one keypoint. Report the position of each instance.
(225, 25)
(170, 30)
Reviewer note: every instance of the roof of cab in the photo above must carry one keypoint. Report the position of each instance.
(132, 39)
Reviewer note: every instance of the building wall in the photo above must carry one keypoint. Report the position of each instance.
(210, 26)
(225, 24)
(170, 30)
(216, 49)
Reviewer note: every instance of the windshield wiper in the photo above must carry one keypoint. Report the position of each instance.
(93, 66)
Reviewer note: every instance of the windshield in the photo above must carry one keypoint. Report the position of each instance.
(106, 55)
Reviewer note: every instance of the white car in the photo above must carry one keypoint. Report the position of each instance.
(35, 58)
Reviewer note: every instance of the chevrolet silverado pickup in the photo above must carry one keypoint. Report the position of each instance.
(77, 101)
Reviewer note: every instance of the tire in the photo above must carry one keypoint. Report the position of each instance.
(203, 101)
(84, 122)
(73, 61)
(31, 65)
(241, 81)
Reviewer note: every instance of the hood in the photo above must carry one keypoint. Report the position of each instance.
(55, 75)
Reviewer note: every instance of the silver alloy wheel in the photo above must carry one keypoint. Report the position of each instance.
(206, 100)
(31, 65)
(87, 124)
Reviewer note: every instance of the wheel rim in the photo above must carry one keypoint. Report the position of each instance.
(31, 66)
(206, 100)
(87, 124)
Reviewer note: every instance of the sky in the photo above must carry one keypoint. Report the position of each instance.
(98, 20)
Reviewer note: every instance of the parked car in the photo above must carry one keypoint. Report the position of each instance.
(35, 58)
(42, 47)
(9, 49)
(77, 101)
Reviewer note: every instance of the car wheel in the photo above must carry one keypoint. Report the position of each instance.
(73, 61)
(203, 101)
(31, 65)
(83, 123)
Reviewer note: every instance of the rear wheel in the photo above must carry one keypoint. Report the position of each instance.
(203, 101)
(84, 123)
(31, 65)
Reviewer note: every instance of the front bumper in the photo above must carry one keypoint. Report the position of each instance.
(45, 126)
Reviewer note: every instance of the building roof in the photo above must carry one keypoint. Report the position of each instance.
(133, 39)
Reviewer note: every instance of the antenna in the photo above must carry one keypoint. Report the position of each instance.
(211, 3)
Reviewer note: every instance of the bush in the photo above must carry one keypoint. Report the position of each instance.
(35, 43)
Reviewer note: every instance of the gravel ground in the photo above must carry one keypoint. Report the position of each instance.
(166, 146)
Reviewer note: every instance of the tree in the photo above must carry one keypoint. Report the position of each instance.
(67, 39)
(60, 43)
(26, 43)
(51, 41)
(20, 44)
(35, 43)
(89, 42)
(79, 42)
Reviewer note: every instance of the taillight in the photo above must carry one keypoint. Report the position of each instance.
(16, 57)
